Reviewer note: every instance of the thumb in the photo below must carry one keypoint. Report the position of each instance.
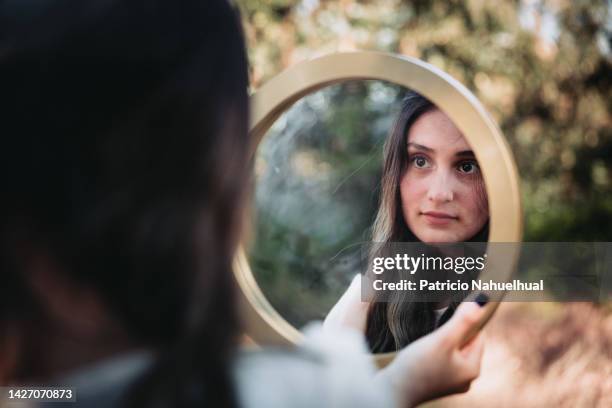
(463, 325)
(474, 350)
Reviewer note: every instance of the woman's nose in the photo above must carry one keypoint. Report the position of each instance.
(441, 189)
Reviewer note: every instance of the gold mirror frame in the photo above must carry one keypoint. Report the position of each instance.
(262, 323)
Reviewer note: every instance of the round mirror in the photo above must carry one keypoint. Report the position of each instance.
(357, 149)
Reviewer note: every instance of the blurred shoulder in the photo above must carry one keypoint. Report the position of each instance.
(327, 369)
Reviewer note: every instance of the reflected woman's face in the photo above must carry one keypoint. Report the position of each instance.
(442, 190)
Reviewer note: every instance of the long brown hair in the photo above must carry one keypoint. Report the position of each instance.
(398, 321)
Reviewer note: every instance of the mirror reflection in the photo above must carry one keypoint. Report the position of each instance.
(356, 163)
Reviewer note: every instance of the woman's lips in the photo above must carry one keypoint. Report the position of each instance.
(438, 217)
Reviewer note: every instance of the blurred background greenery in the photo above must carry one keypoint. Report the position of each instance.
(542, 68)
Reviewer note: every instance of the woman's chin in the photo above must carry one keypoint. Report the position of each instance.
(434, 236)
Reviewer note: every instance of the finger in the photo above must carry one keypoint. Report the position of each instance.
(458, 389)
(473, 356)
(465, 320)
(464, 388)
(476, 341)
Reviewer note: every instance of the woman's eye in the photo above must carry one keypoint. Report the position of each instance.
(468, 167)
(420, 162)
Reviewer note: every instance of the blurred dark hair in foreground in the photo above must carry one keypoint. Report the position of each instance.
(124, 145)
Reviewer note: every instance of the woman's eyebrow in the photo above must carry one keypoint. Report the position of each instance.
(420, 147)
(465, 153)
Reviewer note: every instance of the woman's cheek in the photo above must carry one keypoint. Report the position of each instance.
(477, 193)
(412, 189)
(471, 205)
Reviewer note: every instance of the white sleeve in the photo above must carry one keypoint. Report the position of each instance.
(349, 311)
(329, 369)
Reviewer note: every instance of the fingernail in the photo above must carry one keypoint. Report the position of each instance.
(482, 299)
